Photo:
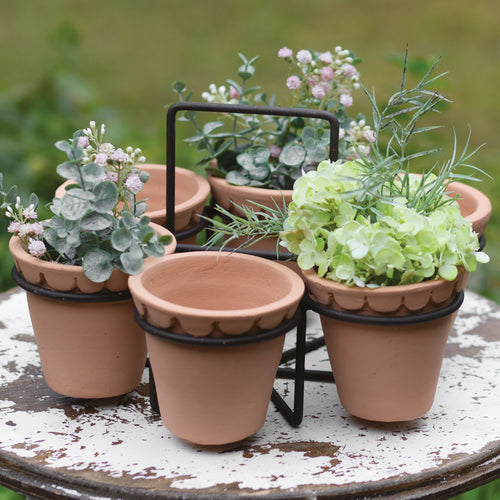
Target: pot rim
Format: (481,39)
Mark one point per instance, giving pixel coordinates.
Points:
(403,300)
(294,294)
(36,269)
(202,185)
(220,181)
(482,209)
(202,192)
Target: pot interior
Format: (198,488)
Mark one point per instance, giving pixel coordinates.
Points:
(155,189)
(217,282)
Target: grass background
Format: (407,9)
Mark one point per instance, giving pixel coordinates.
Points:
(63,63)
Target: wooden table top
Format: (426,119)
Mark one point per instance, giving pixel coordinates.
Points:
(53,446)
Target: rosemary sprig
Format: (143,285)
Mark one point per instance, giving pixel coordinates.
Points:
(254,225)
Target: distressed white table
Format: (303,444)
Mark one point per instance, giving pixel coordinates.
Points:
(56,447)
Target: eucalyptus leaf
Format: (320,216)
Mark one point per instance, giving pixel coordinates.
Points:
(211,126)
(68,170)
(106,196)
(259,173)
(179,86)
(76,203)
(121,239)
(132,259)
(97,265)
(293,155)
(92,174)
(95,221)
(237,178)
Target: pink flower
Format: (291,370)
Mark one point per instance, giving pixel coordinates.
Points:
(24,230)
(36,229)
(111,176)
(233,93)
(369,135)
(119,155)
(274,150)
(293,82)
(101,159)
(304,56)
(312,81)
(83,141)
(346,100)
(318,92)
(134,183)
(327,74)
(36,248)
(29,213)
(326,57)
(349,70)
(341,133)
(285,52)
(14,227)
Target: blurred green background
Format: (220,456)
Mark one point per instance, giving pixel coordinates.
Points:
(64,63)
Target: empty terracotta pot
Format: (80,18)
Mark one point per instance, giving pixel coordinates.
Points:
(89,345)
(215,394)
(191,193)
(386,372)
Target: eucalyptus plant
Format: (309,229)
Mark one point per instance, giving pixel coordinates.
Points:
(98,223)
(273,151)
(370,221)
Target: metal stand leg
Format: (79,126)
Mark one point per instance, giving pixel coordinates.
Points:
(294,417)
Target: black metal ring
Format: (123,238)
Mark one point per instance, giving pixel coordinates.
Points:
(191,231)
(69,296)
(386,320)
(237,340)
(482,242)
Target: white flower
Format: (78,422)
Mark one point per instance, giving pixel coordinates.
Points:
(101,159)
(106,148)
(36,248)
(304,56)
(119,155)
(134,183)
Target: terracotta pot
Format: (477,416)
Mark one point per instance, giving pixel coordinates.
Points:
(88,348)
(386,372)
(191,193)
(215,394)
(474,205)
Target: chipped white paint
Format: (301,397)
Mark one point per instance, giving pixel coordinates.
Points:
(330,447)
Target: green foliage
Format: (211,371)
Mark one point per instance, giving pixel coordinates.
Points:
(273,151)
(6,494)
(370,222)
(97,223)
(372,238)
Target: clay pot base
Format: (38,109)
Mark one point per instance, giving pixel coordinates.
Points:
(214,395)
(91,350)
(386,373)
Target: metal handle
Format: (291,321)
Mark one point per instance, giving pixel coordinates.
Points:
(241,109)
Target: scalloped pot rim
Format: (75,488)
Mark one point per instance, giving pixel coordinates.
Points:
(68,277)
(284,276)
(394,299)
